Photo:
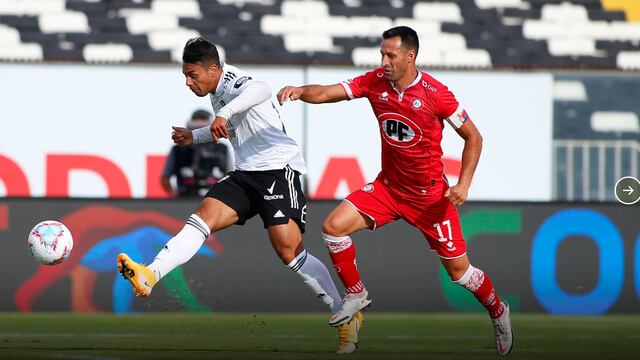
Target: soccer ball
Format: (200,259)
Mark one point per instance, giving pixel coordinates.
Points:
(50,242)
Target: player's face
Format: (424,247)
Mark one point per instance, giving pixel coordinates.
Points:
(201,78)
(396,58)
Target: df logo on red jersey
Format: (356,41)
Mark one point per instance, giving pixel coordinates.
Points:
(398,130)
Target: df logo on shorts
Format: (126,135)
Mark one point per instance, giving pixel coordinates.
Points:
(627,190)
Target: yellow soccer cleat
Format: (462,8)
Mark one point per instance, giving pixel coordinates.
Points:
(348,334)
(141,277)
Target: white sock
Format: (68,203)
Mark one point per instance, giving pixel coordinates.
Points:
(317,278)
(182,247)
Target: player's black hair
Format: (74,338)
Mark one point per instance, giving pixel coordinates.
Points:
(198,50)
(408,36)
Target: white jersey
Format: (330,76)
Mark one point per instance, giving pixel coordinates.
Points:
(257,134)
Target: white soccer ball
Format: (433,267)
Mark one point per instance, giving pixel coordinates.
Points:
(50,242)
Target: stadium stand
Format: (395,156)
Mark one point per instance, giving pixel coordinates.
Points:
(455,34)
(596,134)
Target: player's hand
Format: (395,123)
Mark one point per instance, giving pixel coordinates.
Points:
(219,128)
(289,93)
(457,194)
(181,136)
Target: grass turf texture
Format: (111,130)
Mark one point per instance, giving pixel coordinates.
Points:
(307,336)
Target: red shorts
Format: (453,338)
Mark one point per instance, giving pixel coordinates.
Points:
(433,215)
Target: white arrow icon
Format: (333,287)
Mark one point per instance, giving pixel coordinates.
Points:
(628,191)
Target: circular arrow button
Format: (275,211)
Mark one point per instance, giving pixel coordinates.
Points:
(628,190)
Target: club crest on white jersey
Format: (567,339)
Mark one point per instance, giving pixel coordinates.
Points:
(398,130)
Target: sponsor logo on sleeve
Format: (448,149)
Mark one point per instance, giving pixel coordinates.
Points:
(241,81)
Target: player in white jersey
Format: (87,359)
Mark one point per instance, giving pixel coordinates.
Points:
(266,181)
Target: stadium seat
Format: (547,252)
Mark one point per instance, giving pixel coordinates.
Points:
(569,91)
(181,8)
(615,121)
(31,7)
(107,53)
(628,60)
(63,22)
(438,11)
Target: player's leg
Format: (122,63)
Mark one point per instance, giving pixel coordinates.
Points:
(282,206)
(368,208)
(211,216)
(478,283)
(343,221)
(286,240)
(440,223)
(225,204)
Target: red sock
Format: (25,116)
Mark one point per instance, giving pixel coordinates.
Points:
(476,281)
(343,255)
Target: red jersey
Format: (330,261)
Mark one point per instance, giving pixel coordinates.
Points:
(411,124)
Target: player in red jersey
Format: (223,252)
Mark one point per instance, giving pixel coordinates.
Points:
(411,108)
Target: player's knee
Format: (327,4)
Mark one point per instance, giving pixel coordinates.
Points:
(286,255)
(331,227)
(456,272)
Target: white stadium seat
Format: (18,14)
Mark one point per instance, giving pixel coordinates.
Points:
(242,2)
(107,53)
(143,22)
(31,7)
(628,60)
(564,13)
(488,4)
(21,52)
(624,31)
(64,22)
(443,42)
(369,26)
(305,8)
(473,58)
(575,47)
(308,42)
(366,56)
(439,11)
(181,8)
(9,36)
(616,121)
(567,90)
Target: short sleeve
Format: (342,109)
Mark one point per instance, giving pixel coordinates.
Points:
(446,102)
(449,109)
(358,86)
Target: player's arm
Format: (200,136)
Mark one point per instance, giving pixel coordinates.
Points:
(314,94)
(250,93)
(467,130)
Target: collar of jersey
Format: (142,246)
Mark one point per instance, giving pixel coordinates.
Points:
(415,81)
(220,87)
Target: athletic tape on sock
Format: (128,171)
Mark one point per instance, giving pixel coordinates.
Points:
(336,244)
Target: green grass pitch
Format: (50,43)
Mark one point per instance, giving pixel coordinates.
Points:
(385,336)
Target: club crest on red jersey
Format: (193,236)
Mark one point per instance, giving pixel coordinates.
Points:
(367,188)
(399,130)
